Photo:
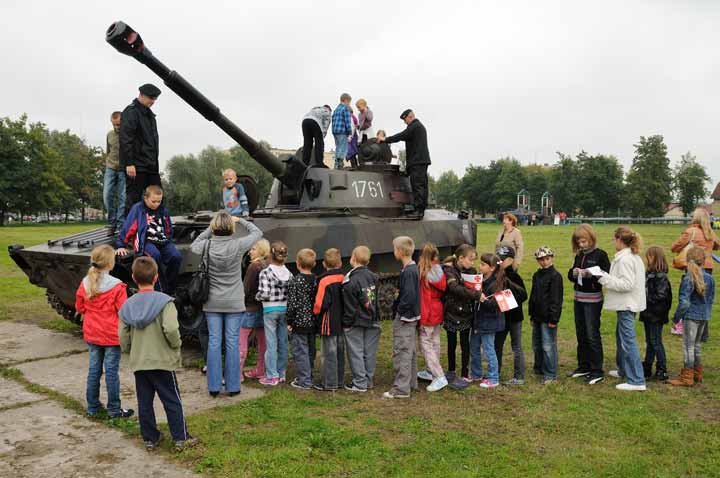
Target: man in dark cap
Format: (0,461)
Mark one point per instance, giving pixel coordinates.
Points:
(417,159)
(139,145)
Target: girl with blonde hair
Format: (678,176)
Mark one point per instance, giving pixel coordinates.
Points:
(99,298)
(252,318)
(697,293)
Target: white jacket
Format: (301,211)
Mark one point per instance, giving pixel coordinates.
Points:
(625,284)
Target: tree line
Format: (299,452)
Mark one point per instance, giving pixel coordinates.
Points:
(48,170)
(585,185)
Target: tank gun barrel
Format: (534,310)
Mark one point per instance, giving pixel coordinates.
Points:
(128,42)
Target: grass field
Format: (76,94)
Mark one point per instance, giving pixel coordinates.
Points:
(567,429)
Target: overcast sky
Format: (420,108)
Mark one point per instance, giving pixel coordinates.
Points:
(488,79)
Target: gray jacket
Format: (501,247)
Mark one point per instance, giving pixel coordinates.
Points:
(227,293)
(321,116)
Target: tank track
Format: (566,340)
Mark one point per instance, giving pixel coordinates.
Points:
(66,311)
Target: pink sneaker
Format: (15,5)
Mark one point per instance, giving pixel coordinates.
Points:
(281,380)
(485,383)
(255,374)
(270,382)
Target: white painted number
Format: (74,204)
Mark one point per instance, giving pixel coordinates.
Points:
(374,188)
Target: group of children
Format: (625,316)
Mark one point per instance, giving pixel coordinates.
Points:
(480,306)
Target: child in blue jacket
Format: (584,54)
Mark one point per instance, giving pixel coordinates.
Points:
(147,230)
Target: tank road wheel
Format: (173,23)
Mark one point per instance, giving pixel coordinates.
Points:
(386,296)
(61,308)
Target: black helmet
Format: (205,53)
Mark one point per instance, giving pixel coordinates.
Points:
(503,252)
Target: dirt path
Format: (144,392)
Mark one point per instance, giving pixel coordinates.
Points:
(40,438)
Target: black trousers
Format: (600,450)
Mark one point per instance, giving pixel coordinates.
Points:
(135,187)
(164,383)
(311,132)
(589,340)
(464,347)
(419,183)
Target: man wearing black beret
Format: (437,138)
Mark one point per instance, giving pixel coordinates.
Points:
(417,159)
(139,145)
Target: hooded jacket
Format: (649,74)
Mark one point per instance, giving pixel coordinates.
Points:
(432,290)
(328,307)
(658,293)
(459,300)
(139,140)
(100,314)
(360,302)
(150,332)
(134,230)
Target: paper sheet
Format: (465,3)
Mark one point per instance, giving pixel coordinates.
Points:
(473,281)
(596,271)
(505,300)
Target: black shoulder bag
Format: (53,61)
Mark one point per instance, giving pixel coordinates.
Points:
(199,288)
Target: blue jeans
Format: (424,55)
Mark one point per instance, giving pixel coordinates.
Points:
(168,260)
(486,343)
(341,147)
(114,196)
(276,336)
(654,346)
(628,353)
(231,323)
(544,344)
(109,357)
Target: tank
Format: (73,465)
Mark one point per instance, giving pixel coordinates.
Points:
(308,206)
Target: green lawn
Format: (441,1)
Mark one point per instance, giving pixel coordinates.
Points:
(567,429)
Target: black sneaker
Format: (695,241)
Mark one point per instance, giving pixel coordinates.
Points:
(123,413)
(593,379)
(152,445)
(320,388)
(298,385)
(661,376)
(353,388)
(577,373)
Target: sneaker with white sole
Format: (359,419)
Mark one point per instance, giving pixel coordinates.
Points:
(548,381)
(425,375)
(437,384)
(298,385)
(590,380)
(353,388)
(269,382)
(577,373)
(614,373)
(395,395)
(485,383)
(515,381)
(630,387)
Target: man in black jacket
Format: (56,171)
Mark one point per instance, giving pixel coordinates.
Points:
(139,145)
(417,159)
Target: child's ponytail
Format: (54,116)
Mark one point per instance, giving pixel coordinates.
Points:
(630,238)
(695,260)
(102,259)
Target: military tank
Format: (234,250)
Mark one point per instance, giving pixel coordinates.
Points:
(308,206)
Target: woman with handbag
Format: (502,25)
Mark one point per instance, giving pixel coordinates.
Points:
(224,250)
(699,233)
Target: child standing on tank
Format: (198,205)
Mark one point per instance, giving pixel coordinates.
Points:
(99,298)
(342,129)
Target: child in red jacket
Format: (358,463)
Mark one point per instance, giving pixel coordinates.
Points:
(432,289)
(99,299)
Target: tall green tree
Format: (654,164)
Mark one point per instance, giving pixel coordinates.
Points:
(472,190)
(649,182)
(563,183)
(510,180)
(537,182)
(81,168)
(690,183)
(599,184)
(447,191)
